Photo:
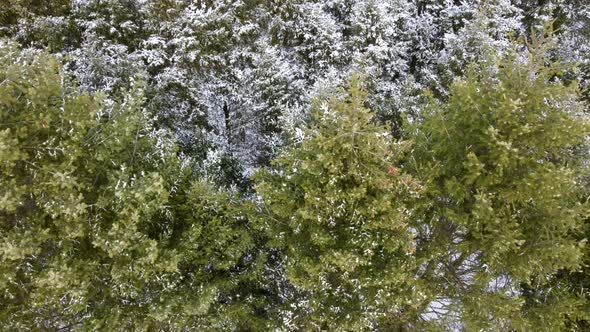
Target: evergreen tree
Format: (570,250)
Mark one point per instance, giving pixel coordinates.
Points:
(501,213)
(102,226)
(73,180)
(14,11)
(99,226)
(336,204)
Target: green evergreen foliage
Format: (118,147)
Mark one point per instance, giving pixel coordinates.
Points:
(99,227)
(129,131)
(501,214)
(77,183)
(336,205)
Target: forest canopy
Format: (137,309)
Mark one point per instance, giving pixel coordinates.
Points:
(329,165)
